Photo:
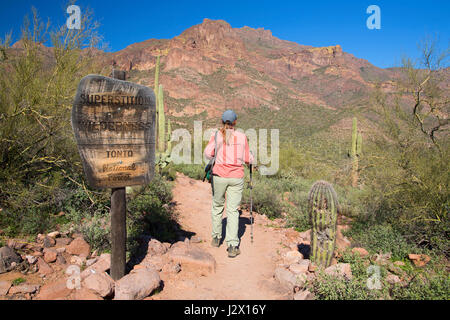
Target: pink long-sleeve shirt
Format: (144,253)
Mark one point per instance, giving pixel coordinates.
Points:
(230,157)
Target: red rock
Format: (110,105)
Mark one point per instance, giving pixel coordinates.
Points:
(361,251)
(84,294)
(54,291)
(79,247)
(100,283)
(63,241)
(156,248)
(43,267)
(24,288)
(137,285)
(103,264)
(192,258)
(419,260)
(4,287)
(50,256)
(49,242)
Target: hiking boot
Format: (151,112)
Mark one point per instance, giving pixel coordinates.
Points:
(233,251)
(215,242)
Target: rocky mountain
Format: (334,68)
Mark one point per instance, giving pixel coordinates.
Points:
(212,66)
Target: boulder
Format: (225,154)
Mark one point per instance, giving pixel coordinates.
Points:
(303,295)
(78,260)
(63,241)
(8,258)
(4,287)
(171,268)
(419,260)
(24,288)
(289,280)
(192,258)
(137,285)
(60,260)
(340,270)
(43,267)
(50,256)
(156,248)
(53,234)
(79,247)
(300,267)
(103,264)
(90,262)
(100,283)
(49,242)
(54,291)
(85,294)
(293,256)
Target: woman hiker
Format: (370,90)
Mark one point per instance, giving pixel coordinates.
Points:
(228,179)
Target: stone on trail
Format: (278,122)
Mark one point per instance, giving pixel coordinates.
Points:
(340,270)
(289,280)
(78,260)
(137,285)
(63,241)
(54,291)
(100,283)
(4,287)
(300,267)
(103,264)
(43,267)
(49,242)
(50,256)
(84,294)
(156,248)
(54,234)
(192,258)
(292,257)
(8,257)
(79,247)
(24,288)
(303,295)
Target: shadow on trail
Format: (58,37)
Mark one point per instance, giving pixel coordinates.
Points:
(241,230)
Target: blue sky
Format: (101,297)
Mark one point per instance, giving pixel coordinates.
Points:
(317,23)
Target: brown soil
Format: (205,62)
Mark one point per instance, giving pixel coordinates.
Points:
(248,276)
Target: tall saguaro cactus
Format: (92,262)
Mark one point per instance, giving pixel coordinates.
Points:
(161,121)
(355,152)
(323,205)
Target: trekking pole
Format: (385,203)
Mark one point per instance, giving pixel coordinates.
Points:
(251,205)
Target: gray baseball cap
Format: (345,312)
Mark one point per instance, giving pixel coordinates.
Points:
(229,115)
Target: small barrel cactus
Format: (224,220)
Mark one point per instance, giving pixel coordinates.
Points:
(323,207)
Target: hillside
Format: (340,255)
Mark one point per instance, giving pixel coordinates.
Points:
(272,83)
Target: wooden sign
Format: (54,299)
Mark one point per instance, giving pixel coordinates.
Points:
(114,125)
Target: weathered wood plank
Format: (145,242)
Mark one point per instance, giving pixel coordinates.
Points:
(114,125)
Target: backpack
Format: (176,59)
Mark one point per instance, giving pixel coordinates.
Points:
(210,165)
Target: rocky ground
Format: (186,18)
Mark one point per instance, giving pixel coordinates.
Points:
(275,266)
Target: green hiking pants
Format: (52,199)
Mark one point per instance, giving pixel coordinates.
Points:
(231,188)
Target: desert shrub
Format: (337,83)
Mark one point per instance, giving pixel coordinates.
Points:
(194,171)
(423,287)
(381,238)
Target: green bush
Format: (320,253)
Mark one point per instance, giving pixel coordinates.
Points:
(383,238)
(194,171)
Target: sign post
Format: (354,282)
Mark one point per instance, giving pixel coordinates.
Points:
(114,125)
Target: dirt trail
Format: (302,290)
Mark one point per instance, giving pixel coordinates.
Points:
(248,276)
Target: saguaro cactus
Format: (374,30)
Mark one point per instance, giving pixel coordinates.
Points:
(323,205)
(161,121)
(355,152)
(169,137)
